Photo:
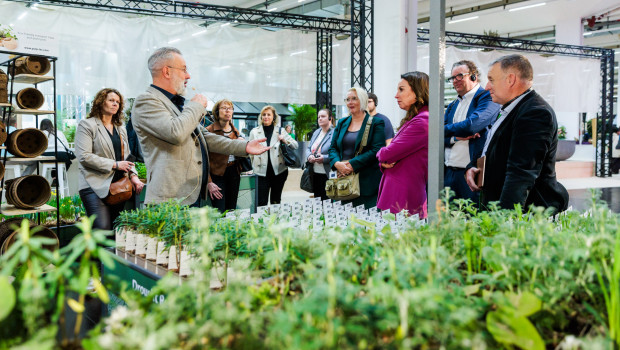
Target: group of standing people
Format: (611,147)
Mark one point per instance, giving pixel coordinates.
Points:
(507,126)
(508,123)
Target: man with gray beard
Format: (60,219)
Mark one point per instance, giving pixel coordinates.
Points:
(174,144)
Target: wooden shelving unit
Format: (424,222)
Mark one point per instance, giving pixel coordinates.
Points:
(32,111)
(9,210)
(6,109)
(31,78)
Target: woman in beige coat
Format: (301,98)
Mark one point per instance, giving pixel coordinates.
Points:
(269,166)
(98,142)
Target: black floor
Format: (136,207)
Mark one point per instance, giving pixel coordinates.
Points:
(581,199)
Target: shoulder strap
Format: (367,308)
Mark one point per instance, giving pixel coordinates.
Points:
(365,137)
(122,145)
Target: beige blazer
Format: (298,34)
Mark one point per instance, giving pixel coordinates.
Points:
(259,162)
(171,150)
(95,154)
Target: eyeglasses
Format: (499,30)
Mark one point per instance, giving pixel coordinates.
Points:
(457,77)
(350,99)
(222,108)
(183,69)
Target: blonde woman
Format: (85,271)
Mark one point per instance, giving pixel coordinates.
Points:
(269,166)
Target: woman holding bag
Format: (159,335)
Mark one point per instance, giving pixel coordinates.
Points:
(348,155)
(224,169)
(269,166)
(102,149)
(318,152)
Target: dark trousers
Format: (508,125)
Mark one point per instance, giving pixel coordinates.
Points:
(615,165)
(455,179)
(106,214)
(229,184)
(271,183)
(318,185)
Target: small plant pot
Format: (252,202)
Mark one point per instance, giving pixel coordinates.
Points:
(130,241)
(162,254)
(30,98)
(151,249)
(141,243)
(173,259)
(187,260)
(120,237)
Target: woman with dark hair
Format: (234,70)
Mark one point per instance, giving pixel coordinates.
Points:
(47,126)
(345,154)
(269,166)
(224,169)
(318,152)
(404,162)
(102,149)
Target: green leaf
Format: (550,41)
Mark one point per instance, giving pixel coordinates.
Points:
(525,304)
(75,306)
(509,329)
(7,297)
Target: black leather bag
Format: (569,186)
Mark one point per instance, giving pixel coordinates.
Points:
(245,164)
(306,179)
(291,159)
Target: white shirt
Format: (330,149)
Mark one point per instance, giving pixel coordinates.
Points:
(458,155)
(503,113)
(51,141)
(318,168)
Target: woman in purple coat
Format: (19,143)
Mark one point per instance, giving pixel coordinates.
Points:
(404,162)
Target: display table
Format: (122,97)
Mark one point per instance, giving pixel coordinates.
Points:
(139,274)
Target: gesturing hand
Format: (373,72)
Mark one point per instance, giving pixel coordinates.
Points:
(388,165)
(474,136)
(254,147)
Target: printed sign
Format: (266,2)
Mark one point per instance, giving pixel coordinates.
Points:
(23,40)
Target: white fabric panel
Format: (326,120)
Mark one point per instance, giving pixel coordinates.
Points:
(341,70)
(568,84)
(103,49)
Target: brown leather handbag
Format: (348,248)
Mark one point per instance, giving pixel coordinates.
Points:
(121,190)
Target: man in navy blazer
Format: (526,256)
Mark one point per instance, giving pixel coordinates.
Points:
(521,146)
(466,121)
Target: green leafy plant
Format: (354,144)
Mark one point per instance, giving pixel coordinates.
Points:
(304,118)
(562,133)
(69,132)
(141,169)
(44,283)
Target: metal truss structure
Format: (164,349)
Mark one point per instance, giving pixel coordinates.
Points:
(606,56)
(360,28)
(324,70)
(362,48)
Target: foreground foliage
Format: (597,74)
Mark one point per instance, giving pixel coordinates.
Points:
(488,280)
(473,280)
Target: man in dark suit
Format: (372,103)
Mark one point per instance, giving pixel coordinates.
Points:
(521,145)
(466,121)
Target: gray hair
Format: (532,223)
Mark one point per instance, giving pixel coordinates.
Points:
(517,62)
(362,95)
(160,57)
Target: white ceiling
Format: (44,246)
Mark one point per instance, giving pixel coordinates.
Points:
(525,22)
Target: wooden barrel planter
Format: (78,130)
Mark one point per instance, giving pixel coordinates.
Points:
(30,98)
(26,143)
(32,65)
(41,231)
(28,192)
(4,83)
(7,228)
(3,134)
